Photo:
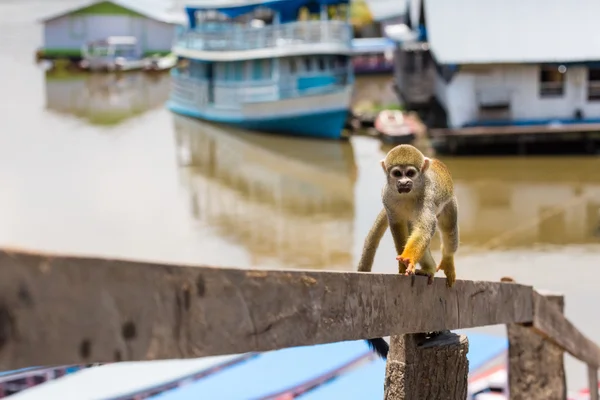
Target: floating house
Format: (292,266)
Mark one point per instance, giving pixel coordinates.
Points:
(509,64)
(283,66)
(151,24)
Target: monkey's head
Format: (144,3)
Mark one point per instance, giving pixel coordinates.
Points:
(404,167)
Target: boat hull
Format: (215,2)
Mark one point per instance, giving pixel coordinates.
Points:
(325,124)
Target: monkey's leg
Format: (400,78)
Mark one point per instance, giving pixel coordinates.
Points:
(372,242)
(400,235)
(448,225)
(428,266)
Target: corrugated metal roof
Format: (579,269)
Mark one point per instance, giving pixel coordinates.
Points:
(154,9)
(384,9)
(513,31)
(266,373)
(118,379)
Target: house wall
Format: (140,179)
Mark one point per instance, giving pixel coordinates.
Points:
(66,35)
(519,87)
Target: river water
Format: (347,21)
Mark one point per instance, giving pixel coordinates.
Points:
(97,166)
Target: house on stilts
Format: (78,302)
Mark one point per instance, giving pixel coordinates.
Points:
(511,65)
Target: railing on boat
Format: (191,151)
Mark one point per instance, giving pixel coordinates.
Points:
(60,310)
(232,94)
(237,38)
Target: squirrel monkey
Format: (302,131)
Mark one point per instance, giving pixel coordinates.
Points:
(418,197)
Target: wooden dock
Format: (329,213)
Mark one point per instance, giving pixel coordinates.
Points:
(60,310)
(451,140)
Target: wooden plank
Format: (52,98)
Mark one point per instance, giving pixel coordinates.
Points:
(70,310)
(536,368)
(550,323)
(516,130)
(427,368)
(593,382)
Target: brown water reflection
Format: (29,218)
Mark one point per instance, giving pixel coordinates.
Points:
(287,201)
(105,99)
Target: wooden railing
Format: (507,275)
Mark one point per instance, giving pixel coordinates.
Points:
(59,310)
(234,38)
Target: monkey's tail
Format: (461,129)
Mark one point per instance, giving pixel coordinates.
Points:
(379,346)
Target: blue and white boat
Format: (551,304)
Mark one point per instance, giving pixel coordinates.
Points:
(280,66)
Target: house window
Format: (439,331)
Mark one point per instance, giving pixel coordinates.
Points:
(593,84)
(552,81)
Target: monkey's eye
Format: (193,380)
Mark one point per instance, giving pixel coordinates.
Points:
(396,173)
(411,173)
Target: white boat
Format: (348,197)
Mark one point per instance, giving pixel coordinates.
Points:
(281,66)
(120,53)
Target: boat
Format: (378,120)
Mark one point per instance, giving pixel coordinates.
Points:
(120,53)
(394,127)
(373,55)
(282,66)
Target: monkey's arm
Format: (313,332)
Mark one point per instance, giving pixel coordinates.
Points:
(400,235)
(372,242)
(423,229)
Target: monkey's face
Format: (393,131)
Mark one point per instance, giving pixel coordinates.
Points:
(403,177)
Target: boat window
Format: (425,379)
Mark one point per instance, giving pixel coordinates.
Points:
(261,69)
(307,66)
(331,62)
(125,51)
(228,71)
(292,62)
(322,66)
(340,61)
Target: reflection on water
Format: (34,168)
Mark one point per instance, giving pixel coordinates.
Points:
(287,201)
(105,99)
(517,203)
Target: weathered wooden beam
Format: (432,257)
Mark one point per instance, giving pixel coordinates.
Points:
(427,368)
(70,310)
(536,368)
(549,322)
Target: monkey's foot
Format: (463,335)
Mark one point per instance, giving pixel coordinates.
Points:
(429,275)
(447,265)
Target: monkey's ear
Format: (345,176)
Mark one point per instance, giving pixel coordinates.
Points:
(382,162)
(425,164)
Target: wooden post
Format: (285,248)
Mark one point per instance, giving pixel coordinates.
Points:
(593,382)
(535,365)
(427,368)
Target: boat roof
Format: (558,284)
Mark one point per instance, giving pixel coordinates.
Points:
(372,45)
(244,6)
(152,9)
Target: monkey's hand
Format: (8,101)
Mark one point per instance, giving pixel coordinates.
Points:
(409,263)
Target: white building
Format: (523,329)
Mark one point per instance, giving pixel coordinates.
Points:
(150,22)
(512,62)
